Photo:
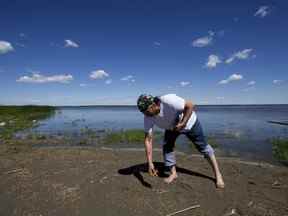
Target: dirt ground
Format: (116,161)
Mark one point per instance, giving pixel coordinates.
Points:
(88,182)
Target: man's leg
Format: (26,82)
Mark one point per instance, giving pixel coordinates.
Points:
(169,154)
(219,179)
(196,135)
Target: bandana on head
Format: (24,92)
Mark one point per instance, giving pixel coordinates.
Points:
(144,101)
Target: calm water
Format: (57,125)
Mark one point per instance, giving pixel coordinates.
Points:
(240,130)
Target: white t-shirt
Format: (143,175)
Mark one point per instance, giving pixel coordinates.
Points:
(171,112)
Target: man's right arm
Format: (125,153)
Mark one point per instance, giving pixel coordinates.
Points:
(149,149)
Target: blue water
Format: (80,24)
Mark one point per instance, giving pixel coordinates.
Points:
(240,130)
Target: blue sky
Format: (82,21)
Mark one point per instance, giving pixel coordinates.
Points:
(109,52)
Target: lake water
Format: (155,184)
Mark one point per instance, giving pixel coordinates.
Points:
(240,130)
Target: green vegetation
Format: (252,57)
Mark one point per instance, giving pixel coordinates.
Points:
(136,136)
(128,136)
(280,148)
(34,136)
(16,118)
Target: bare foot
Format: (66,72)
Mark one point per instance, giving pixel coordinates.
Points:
(219,182)
(171,178)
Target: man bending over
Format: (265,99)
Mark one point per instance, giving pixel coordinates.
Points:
(176,116)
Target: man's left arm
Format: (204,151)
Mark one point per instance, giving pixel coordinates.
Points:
(187,112)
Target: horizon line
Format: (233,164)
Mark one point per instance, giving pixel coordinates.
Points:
(135,105)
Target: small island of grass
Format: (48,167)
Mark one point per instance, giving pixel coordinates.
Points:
(16,118)
(280,148)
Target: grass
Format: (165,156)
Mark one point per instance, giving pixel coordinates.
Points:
(136,136)
(16,118)
(128,136)
(280,148)
(35,136)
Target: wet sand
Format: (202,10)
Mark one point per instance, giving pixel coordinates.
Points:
(115,182)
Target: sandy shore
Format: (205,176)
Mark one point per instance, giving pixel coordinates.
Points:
(113,182)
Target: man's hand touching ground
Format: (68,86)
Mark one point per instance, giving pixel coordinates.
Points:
(152,171)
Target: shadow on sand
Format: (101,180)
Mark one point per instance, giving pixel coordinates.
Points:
(136,171)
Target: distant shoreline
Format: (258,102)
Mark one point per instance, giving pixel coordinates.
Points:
(201,105)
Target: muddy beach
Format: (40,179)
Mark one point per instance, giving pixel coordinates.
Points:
(104,181)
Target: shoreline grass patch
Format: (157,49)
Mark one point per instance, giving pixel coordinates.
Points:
(280,148)
(17,118)
(128,136)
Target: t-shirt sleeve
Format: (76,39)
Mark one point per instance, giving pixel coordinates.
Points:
(148,125)
(178,103)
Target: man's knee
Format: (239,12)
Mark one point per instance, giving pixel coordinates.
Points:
(207,151)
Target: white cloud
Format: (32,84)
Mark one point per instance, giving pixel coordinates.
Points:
(262,11)
(204,102)
(223,82)
(213,60)
(130,79)
(277,82)
(108,82)
(244,54)
(251,83)
(35,101)
(184,83)
(98,74)
(250,88)
(83,85)
(220,98)
(5,47)
(203,41)
(156,43)
(38,78)
(127,78)
(70,43)
(233,77)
